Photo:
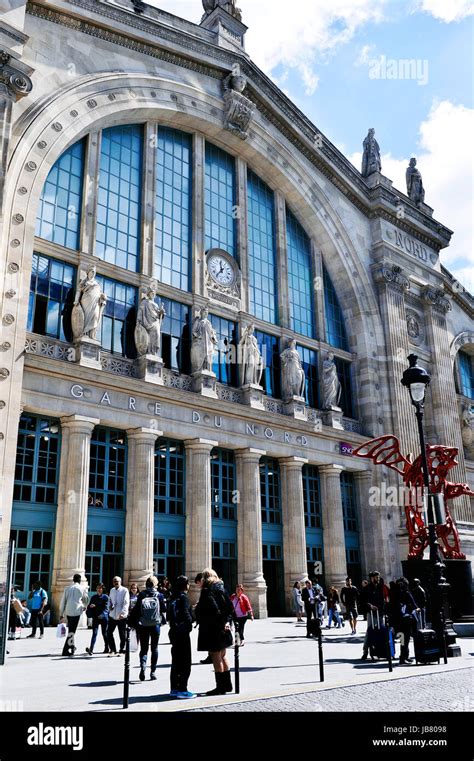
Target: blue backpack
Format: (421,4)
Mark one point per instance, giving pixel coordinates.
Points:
(150,610)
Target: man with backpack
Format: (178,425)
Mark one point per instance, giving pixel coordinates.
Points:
(180,618)
(146,619)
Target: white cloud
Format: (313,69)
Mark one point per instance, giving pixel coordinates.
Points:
(444,161)
(448,10)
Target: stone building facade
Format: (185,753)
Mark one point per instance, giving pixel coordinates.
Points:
(137,142)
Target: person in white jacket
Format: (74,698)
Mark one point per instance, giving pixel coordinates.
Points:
(73,604)
(119,603)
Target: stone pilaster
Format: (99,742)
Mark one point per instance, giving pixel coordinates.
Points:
(242,229)
(149,199)
(335,564)
(90,192)
(443,393)
(250,551)
(198,231)
(282,260)
(392,286)
(139,527)
(71,518)
(294,531)
(318,292)
(198,508)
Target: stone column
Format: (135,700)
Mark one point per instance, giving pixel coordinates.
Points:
(71,518)
(378,543)
(294,531)
(250,551)
(392,286)
(139,526)
(282,260)
(242,230)
(335,564)
(198,509)
(443,392)
(198,232)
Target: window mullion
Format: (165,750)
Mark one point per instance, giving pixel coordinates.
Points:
(198,215)
(90,193)
(148,232)
(319,305)
(282,260)
(242,229)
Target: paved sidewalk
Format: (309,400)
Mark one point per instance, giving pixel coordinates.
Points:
(276,662)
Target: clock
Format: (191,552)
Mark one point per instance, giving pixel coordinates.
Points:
(221,269)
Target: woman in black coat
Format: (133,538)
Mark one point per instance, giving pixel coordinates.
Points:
(214,614)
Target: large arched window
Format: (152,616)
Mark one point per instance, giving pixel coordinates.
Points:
(300,277)
(261,246)
(220,200)
(60,206)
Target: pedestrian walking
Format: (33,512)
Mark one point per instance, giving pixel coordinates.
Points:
(97,611)
(308,597)
(180,618)
(334,608)
(298,605)
(72,606)
(349,598)
(376,604)
(38,600)
(242,611)
(146,619)
(406,623)
(419,595)
(133,592)
(119,602)
(214,614)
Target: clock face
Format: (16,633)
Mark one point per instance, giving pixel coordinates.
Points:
(220,270)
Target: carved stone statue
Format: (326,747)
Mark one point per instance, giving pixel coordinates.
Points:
(331,384)
(227,5)
(250,358)
(371,161)
(89,305)
(415,189)
(293,377)
(239,108)
(204,343)
(467,431)
(150,317)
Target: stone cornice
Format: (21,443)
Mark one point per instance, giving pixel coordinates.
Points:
(194,49)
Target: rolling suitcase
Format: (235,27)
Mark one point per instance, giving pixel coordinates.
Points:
(380,638)
(427,649)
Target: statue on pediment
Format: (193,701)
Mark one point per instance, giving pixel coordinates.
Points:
(89,305)
(332,389)
(204,343)
(227,5)
(415,189)
(371,161)
(293,376)
(150,317)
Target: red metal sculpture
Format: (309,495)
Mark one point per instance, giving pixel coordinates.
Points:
(385,450)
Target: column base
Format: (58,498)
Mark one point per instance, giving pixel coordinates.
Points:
(333,418)
(295,407)
(150,369)
(205,383)
(252,396)
(87,353)
(139,577)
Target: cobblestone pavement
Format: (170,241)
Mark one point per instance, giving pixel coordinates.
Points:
(433,692)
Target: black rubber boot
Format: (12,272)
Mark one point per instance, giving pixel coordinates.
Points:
(219,689)
(227,682)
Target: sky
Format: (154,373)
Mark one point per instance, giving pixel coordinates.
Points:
(344,64)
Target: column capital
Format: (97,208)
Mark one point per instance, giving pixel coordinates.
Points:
(15,81)
(144,434)
(331,470)
(436,299)
(293,463)
(391,275)
(79,423)
(250,454)
(200,445)
(360,475)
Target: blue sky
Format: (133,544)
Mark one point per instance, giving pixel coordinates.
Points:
(324,54)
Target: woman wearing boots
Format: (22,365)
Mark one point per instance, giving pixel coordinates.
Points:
(214,614)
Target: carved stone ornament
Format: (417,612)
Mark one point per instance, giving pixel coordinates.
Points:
(413,326)
(5,346)
(394,276)
(437,299)
(239,109)
(16,82)
(2,405)
(227,5)
(74,113)
(467,429)
(22,191)
(10,294)
(13,267)
(42,144)
(15,243)
(18,218)
(8,319)
(92,103)
(4,373)
(30,166)
(57,126)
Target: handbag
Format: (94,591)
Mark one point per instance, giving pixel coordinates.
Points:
(338,608)
(133,641)
(227,639)
(61,631)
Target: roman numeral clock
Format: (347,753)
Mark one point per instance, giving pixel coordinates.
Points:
(223,278)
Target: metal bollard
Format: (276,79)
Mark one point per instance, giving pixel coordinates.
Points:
(126,670)
(389,649)
(320,654)
(237,644)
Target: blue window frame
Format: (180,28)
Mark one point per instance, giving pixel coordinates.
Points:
(176,335)
(349,502)
(270,349)
(108,469)
(220,200)
(173,221)
(262,252)
(272,551)
(37,460)
(170,494)
(168,557)
(336,331)
(104,559)
(33,558)
(224,551)
(344,371)
(270,490)
(312,497)
(300,277)
(223,480)
(309,360)
(60,205)
(225,358)
(116,333)
(51,297)
(466,374)
(119,198)
(314,553)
